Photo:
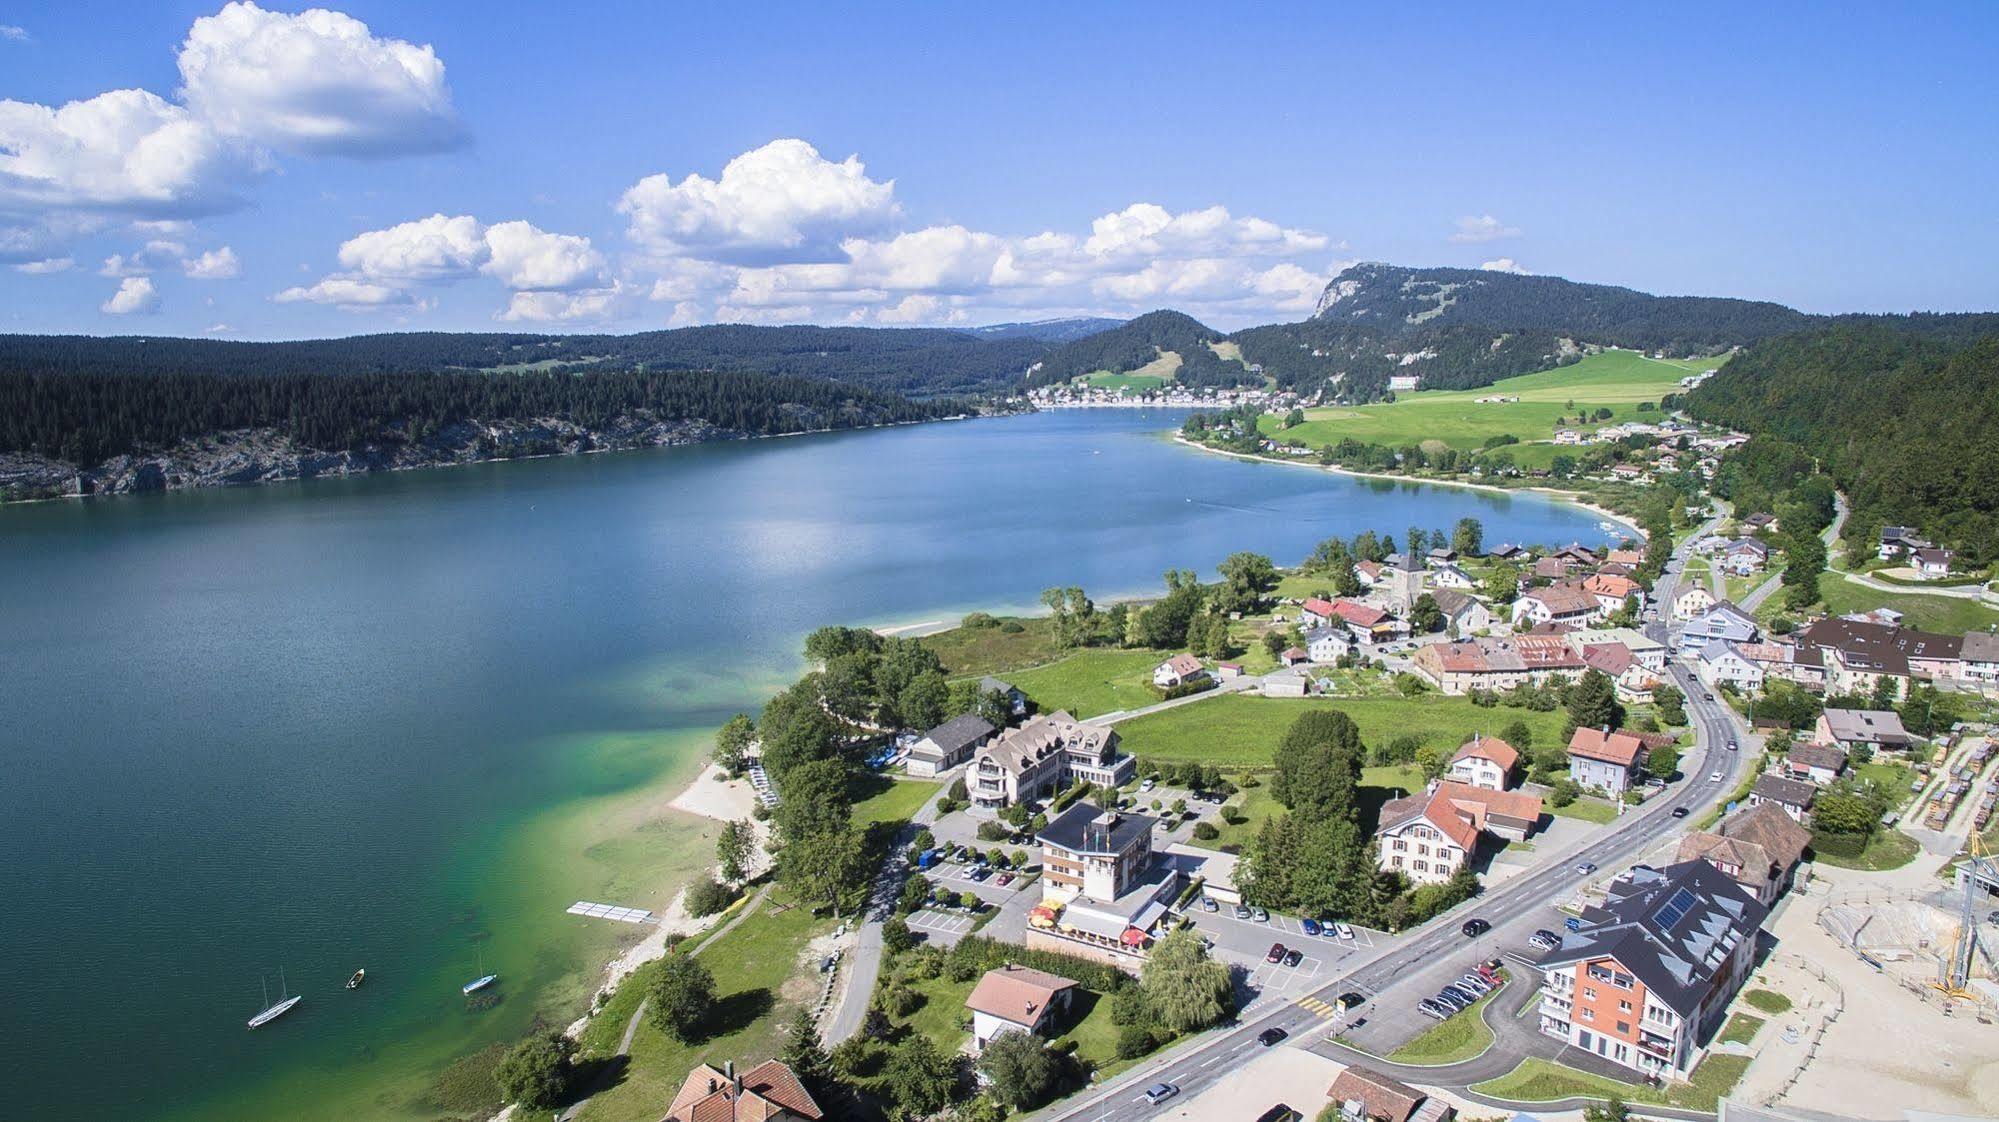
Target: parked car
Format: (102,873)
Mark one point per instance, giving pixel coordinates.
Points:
(1242,911)
(1276,953)
(1573,923)
(1148,785)
(1343,931)
(1004,879)
(1473,928)
(1160,1092)
(1310,925)
(1271,1036)
(1262,916)
(1451,1000)
(1208,904)
(1294,957)
(1432,1007)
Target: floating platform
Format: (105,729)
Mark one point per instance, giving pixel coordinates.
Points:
(610,911)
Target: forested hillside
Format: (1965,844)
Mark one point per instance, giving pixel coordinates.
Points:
(1131,345)
(1904,417)
(916,361)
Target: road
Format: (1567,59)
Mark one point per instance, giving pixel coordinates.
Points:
(1395,978)
(866,960)
(1763,591)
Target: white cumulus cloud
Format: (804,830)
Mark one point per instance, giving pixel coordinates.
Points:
(444,249)
(437,248)
(781,202)
(1481,228)
(318,82)
(135,296)
(46,265)
(523,257)
(126,152)
(1503,265)
(214,264)
(593,305)
(17,34)
(348,293)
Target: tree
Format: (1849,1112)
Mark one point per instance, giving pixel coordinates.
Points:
(1417,541)
(1468,537)
(734,847)
(1843,812)
(804,1053)
(896,935)
(1518,735)
(1663,761)
(1502,584)
(1612,1110)
(1275,642)
(1670,703)
(1246,577)
(1592,702)
(918,1078)
(536,1073)
(1804,561)
(705,897)
(1425,616)
(1183,987)
(925,702)
(681,998)
(732,743)
(1019,1069)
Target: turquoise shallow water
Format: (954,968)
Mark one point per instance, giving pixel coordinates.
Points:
(364,722)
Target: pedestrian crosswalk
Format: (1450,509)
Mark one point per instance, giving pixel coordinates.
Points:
(1322,1009)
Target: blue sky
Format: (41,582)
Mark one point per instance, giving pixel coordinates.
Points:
(287,175)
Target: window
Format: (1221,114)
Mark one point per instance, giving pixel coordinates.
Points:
(1589,993)
(1589,1014)
(1623,1026)
(1624,1007)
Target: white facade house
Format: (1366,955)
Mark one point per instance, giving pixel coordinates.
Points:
(1486,762)
(1723,663)
(1016,999)
(1327,644)
(1178,671)
(1692,602)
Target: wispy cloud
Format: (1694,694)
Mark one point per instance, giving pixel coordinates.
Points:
(1480,228)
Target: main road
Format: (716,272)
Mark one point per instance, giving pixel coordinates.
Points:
(1401,975)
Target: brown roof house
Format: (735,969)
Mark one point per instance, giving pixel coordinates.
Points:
(1363,1094)
(1815,763)
(1759,847)
(1794,796)
(1015,999)
(1604,760)
(768,1092)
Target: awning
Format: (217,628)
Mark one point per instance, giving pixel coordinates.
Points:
(1133,937)
(1092,922)
(1149,915)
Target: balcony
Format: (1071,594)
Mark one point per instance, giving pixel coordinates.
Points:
(1652,1046)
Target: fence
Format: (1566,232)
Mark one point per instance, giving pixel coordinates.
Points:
(1819,1030)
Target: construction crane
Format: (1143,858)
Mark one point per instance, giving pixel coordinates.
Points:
(1980,878)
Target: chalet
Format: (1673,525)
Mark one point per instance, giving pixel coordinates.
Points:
(1296,656)
(1317,612)
(1228,671)
(1369,572)
(1627,471)
(1650,972)
(1102,893)
(1016,999)
(1363,1094)
(768,1092)
(1425,838)
(1043,756)
(1497,664)
(1897,540)
(1980,658)
(1693,601)
(1549,568)
(1557,603)
(1578,555)
(1442,555)
(1745,556)
(1759,847)
(1875,729)
(1761,520)
(1724,621)
(1647,651)
(1613,593)
(1568,436)
(1815,763)
(1633,681)
(1016,701)
(1792,796)
(1180,670)
(1930,564)
(1463,613)
(1630,558)
(1606,761)
(1507,551)
(1327,644)
(949,744)
(1485,761)
(1448,575)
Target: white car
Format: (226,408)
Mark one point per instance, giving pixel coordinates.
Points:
(1714,777)
(1343,931)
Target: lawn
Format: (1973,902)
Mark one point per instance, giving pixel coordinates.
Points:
(752,965)
(1538,1080)
(1258,806)
(1151,376)
(1949,614)
(1587,808)
(1616,380)
(1892,777)
(1092,682)
(895,801)
(1769,1001)
(1453,1039)
(944,1021)
(1886,849)
(1740,1029)
(968,651)
(1238,731)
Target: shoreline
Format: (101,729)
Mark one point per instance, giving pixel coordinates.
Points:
(1573,498)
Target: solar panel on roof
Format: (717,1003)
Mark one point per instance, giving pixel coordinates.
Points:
(1675,910)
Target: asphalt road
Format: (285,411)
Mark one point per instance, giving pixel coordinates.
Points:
(1411,968)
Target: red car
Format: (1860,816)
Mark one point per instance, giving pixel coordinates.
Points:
(1276,953)
(1004,879)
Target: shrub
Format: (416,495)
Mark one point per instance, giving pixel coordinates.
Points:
(706,897)
(1012,627)
(993,831)
(1134,1041)
(1205,831)
(1563,792)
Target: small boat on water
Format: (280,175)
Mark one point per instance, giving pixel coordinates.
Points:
(360,976)
(479,983)
(284,1005)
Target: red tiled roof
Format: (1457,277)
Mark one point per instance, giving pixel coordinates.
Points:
(1605,584)
(1491,748)
(1358,614)
(1016,993)
(1321,608)
(1620,748)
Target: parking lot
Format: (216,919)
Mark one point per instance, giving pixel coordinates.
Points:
(943,929)
(1246,943)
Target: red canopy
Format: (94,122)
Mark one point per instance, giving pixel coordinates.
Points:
(1133,937)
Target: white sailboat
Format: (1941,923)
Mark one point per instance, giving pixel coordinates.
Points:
(481,982)
(284,1005)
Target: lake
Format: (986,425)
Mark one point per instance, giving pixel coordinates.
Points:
(402,721)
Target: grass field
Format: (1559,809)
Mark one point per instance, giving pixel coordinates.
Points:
(1151,376)
(1949,614)
(758,979)
(969,651)
(1237,731)
(1453,1039)
(895,801)
(1886,849)
(1538,1080)
(1258,806)
(1740,1029)
(1586,808)
(1769,1001)
(1092,682)
(1616,380)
